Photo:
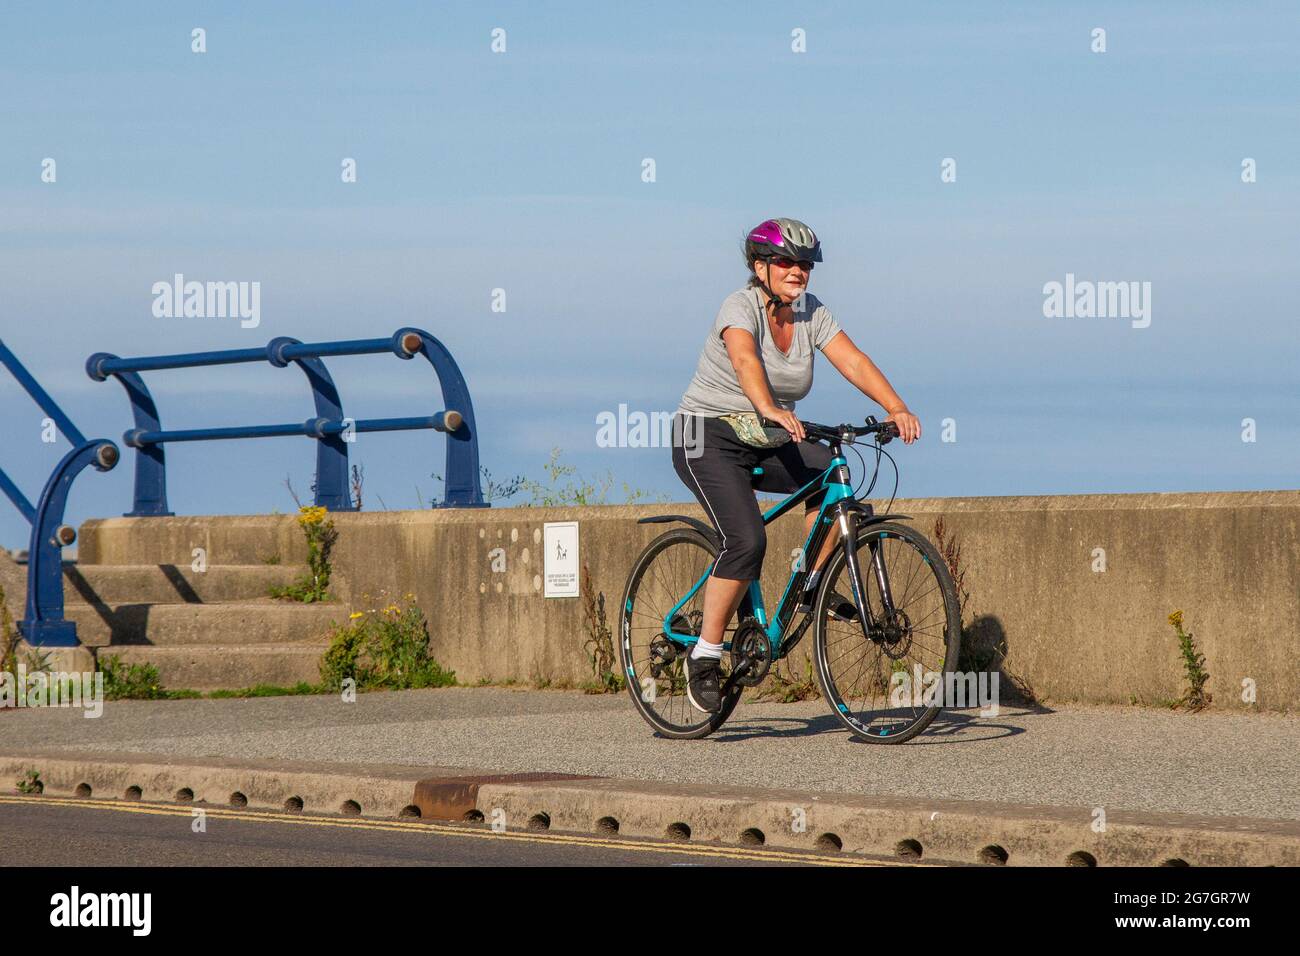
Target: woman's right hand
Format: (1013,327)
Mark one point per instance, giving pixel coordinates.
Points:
(787,420)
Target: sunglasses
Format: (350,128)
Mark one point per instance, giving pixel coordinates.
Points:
(784,263)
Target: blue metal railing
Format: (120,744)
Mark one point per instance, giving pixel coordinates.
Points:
(331,430)
(43,623)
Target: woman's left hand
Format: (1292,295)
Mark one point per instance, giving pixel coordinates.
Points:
(909,426)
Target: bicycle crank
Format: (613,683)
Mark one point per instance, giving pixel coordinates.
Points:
(751,656)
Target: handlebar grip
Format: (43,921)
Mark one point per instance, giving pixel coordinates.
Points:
(886,431)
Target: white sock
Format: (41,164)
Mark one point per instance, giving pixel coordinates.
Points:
(703,649)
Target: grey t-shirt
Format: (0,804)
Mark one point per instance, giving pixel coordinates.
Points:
(715,390)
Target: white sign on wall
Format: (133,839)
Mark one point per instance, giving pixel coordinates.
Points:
(560,564)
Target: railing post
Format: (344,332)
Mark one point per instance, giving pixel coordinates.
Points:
(43,624)
(150,460)
(462,470)
(331,450)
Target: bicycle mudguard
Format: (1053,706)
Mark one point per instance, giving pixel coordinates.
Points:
(876,519)
(695,523)
(867,517)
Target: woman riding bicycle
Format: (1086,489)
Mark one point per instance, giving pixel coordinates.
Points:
(757,361)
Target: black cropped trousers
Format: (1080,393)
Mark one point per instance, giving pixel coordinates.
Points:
(718,469)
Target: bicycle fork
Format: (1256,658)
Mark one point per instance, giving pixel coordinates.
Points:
(848,520)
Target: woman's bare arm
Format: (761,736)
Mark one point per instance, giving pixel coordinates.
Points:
(856,366)
(743,352)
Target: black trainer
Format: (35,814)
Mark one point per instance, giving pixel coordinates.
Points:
(703,689)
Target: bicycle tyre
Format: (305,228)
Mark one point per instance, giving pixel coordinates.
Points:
(951,631)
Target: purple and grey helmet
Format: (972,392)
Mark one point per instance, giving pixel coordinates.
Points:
(782,237)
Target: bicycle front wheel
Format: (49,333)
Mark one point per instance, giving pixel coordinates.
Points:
(882,688)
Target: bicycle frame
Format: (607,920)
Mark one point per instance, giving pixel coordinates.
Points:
(839,506)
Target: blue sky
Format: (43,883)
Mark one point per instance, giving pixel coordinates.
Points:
(522,171)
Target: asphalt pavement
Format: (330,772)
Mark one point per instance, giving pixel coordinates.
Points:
(1114,757)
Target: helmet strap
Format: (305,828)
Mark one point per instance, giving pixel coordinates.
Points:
(772,298)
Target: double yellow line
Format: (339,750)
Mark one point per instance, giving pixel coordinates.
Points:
(400,826)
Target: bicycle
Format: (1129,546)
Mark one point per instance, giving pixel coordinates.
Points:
(880,635)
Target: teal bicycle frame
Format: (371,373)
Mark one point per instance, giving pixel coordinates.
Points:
(836,481)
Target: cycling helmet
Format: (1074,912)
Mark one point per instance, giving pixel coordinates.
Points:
(782,237)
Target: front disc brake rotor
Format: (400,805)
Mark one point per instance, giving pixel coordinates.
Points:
(896,636)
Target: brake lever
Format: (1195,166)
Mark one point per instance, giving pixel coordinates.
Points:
(887,433)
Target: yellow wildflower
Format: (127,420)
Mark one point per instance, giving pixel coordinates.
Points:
(1176,619)
(309,515)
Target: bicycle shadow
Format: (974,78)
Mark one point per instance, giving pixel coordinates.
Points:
(948,728)
(956,726)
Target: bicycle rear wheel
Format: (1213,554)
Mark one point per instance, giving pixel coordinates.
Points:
(654,664)
(876,687)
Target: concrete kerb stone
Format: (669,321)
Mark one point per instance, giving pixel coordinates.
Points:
(934,830)
(456,798)
(951,831)
(381,791)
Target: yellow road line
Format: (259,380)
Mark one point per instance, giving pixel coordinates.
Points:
(638,844)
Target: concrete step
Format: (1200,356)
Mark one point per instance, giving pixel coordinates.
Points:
(177,625)
(229,539)
(173,584)
(225,666)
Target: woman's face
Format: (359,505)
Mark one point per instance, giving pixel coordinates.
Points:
(785,277)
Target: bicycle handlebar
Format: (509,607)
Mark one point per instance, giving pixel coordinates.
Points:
(887,431)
